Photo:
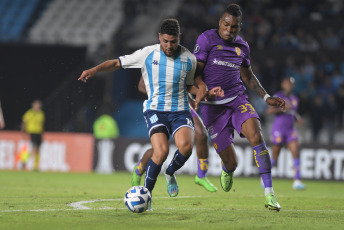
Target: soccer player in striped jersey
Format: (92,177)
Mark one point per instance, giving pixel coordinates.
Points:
(168,71)
(202,149)
(223,59)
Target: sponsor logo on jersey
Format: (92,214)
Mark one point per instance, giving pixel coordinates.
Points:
(219,47)
(155,62)
(225,63)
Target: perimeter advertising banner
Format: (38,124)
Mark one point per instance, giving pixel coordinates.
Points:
(317,161)
(59,152)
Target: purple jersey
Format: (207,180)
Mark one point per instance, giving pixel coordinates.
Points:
(223,61)
(286,120)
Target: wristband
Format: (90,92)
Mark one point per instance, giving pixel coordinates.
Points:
(266,97)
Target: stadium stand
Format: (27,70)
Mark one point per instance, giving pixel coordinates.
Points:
(15,15)
(78,22)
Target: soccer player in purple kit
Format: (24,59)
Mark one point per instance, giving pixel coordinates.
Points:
(222,58)
(283,131)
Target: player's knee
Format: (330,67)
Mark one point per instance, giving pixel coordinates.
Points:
(255,137)
(159,155)
(159,159)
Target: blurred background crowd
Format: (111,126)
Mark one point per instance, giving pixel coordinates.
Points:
(303,39)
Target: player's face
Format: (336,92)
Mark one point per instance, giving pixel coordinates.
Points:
(288,85)
(229,27)
(169,44)
(36,105)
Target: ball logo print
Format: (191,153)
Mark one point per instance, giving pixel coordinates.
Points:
(137,199)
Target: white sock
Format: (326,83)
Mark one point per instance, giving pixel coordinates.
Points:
(268,190)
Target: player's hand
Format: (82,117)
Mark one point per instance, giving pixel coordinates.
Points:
(86,74)
(2,124)
(276,101)
(202,93)
(216,92)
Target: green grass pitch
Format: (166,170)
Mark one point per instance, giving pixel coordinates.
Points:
(32,200)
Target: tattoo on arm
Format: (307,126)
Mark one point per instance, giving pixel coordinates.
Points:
(251,81)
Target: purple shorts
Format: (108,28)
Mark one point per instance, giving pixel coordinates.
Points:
(222,120)
(280,136)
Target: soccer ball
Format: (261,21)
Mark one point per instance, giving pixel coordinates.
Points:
(137,199)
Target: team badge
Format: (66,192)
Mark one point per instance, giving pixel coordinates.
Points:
(153,118)
(219,47)
(238,51)
(196,49)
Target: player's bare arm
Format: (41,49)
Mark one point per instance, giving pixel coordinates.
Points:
(2,120)
(202,92)
(141,87)
(107,66)
(252,82)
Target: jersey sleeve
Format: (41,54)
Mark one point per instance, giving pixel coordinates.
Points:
(201,49)
(191,74)
(134,60)
(26,116)
(246,61)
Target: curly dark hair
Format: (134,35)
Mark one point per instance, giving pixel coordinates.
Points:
(234,10)
(170,27)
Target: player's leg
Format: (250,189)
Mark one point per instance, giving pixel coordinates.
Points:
(251,129)
(157,124)
(217,120)
(276,149)
(36,140)
(140,168)
(182,128)
(202,149)
(229,164)
(184,138)
(293,147)
(160,146)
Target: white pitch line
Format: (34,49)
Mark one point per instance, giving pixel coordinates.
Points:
(80,204)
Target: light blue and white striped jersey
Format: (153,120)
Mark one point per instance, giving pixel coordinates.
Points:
(165,77)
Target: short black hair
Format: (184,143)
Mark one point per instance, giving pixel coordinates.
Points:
(234,10)
(170,27)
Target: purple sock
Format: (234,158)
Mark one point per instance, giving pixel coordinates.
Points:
(262,158)
(297,168)
(140,169)
(202,165)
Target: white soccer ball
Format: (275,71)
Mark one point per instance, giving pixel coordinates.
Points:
(137,199)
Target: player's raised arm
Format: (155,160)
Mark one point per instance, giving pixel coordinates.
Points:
(107,66)
(253,83)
